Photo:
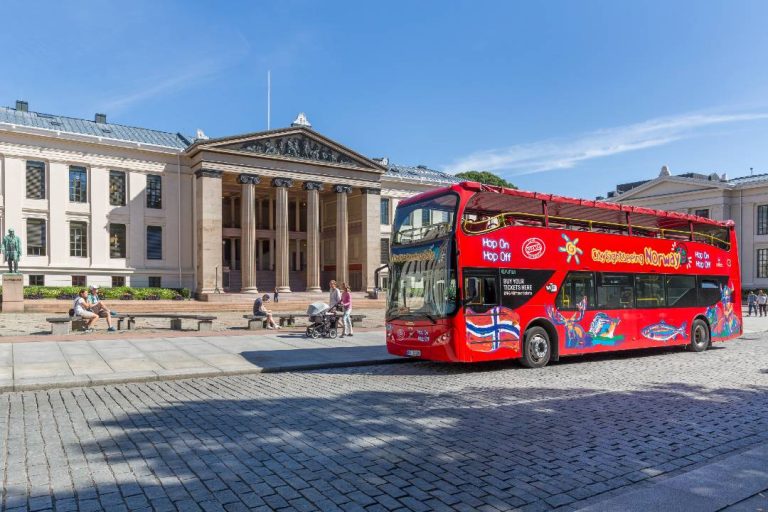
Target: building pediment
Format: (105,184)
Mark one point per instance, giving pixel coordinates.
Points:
(665,186)
(298,144)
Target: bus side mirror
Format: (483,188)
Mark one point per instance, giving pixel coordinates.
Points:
(471,290)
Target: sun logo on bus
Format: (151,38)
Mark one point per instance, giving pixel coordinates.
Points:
(571,249)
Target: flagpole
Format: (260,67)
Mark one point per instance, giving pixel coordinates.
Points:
(269,99)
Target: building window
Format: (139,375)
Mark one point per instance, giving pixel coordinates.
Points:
(118,281)
(385,250)
(762,219)
(154,243)
(36,237)
(155,282)
(762,263)
(117,241)
(117,188)
(78,185)
(385,211)
(79,281)
(35,180)
(154,191)
(36,280)
(702,213)
(78,239)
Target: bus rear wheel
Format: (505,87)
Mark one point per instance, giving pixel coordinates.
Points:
(699,336)
(537,348)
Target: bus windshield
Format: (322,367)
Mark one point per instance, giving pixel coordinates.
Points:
(423,281)
(425,220)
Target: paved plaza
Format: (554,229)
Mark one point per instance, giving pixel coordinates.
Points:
(109,359)
(584,433)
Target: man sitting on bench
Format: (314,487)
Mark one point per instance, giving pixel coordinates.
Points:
(98,307)
(260,311)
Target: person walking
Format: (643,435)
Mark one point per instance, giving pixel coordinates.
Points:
(751,303)
(260,311)
(762,301)
(346,303)
(335,298)
(276,296)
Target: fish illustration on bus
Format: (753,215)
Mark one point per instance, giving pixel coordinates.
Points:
(662,331)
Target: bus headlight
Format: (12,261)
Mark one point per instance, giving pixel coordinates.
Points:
(443,339)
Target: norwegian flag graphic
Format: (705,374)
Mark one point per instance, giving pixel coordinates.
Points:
(499,327)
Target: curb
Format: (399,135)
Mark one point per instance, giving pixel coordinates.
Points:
(85,381)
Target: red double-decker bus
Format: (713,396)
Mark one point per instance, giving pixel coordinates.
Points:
(480,273)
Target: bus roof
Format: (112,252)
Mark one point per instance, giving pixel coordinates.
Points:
(551,198)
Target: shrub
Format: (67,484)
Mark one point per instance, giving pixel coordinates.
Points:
(117,293)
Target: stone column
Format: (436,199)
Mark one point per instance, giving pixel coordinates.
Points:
(248,232)
(313,189)
(208,208)
(342,234)
(282,252)
(371,211)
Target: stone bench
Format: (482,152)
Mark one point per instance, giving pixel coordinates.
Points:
(204,322)
(66,324)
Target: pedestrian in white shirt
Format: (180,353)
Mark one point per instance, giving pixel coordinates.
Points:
(82,308)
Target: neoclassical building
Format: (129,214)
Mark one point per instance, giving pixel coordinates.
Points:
(743,200)
(287,209)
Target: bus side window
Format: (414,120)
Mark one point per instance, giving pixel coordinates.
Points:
(681,291)
(576,286)
(649,290)
(615,291)
(709,291)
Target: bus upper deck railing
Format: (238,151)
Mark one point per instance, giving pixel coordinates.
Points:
(507,219)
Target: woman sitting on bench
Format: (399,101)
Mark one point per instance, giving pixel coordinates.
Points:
(260,311)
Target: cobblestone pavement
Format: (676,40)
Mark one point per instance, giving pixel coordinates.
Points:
(413,436)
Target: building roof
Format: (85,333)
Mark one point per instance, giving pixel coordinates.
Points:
(748,180)
(420,173)
(85,127)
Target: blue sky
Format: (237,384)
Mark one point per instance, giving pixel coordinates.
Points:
(565,97)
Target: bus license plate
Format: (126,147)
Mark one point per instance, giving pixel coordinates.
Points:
(413,353)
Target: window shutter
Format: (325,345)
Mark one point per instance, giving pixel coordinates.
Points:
(35,180)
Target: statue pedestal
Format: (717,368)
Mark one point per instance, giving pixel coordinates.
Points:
(13,293)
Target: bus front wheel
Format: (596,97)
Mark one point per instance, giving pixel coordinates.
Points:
(537,348)
(699,336)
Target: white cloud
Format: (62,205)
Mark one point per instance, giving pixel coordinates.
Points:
(564,153)
(166,85)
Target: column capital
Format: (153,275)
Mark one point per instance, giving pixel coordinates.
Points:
(282,182)
(248,179)
(313,185)
(375,191)
(208,173)
(342,189)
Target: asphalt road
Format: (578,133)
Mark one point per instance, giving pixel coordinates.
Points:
(414,436)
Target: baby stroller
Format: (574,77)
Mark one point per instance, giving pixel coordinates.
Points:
(323,321)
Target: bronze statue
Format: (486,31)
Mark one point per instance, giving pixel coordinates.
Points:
(12,251)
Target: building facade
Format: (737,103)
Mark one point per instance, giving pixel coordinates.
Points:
(743,200)
(286,209)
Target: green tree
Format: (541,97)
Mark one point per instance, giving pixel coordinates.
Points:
(485,177)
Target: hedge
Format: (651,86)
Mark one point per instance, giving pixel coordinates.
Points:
(118,293)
